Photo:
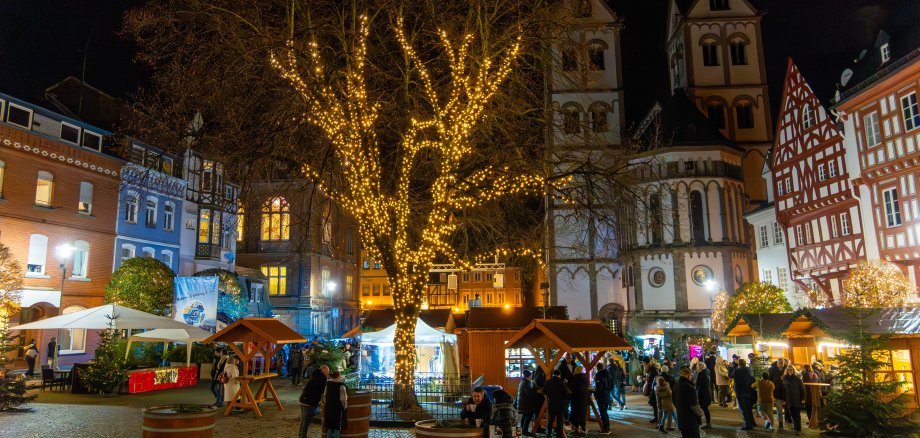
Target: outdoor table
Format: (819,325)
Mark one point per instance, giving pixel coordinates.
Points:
(65,375)
(266,392)
(814,395)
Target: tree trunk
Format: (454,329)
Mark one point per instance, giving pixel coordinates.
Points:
(407,299)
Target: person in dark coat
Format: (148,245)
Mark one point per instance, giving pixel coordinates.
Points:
(651,373)
(710,362)
(686,401)
(529,402)
(567,368)
(603,385)
(557,395)
(217,368)
(618,379)
(478,407)
(776,371)
(295,365)
(539,377)
(31,357)
(504,415)
(310,398)
(580,398)
(795,396)
(335,404)
(704,391)
(744,379)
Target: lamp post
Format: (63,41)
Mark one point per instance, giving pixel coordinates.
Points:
(63,252)
(328,290)
(711,287)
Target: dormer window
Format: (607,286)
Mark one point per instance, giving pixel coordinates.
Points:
(718,5)
(70,133)
(808,117)
(92,140)
(19,116)
(885,52)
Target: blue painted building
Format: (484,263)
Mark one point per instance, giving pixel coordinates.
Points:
(151,200)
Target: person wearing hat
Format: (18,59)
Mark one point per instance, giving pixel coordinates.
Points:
(529,401)
(689,413)
(557,393)
(580,398)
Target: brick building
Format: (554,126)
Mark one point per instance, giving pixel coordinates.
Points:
(58,203)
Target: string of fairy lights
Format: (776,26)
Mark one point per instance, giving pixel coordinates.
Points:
(348,116)
(875,285)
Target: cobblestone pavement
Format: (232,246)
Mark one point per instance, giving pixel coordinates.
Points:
(78,416)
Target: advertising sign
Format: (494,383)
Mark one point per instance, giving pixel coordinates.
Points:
(196,302)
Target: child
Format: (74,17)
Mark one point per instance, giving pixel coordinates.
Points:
(665,404)
(764,388)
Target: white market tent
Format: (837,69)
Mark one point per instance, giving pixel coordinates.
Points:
(186,335)
(99,318)
(424,335)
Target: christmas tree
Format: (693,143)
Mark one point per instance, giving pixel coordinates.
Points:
(109,368)
(12,387)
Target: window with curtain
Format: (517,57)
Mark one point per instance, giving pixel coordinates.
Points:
(710,54)
(44,189)
(38,252)
(151,212)
(85,206)
(169,216)
(277,279)
(72,341)
(127,251)
(276,220)
(240,224)
(80,259)
(204,225)
(131,202)
(738,49)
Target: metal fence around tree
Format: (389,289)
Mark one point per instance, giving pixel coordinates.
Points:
(440,396)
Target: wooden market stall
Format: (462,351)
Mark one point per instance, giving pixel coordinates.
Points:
(763,331)
(548,340)
(248,338)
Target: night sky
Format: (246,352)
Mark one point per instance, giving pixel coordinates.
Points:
(42,41)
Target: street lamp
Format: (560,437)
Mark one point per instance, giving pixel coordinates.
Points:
(711,287)
(63,252)
(328,290)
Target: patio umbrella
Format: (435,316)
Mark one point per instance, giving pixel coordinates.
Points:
(182,335)
(97,318)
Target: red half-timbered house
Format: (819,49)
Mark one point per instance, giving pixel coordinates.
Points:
(814,201)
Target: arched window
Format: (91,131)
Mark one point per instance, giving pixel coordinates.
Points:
(85,206)
(38,252)
(276,219)
(598,112)
(710,49)
(127,251)
(44,189)
(716,113)
(80,259)
(169,216)
(697,221)
(655,222)
(744,115)
(808,117)
(738,50)
(596,51)
(571,119)
(167,258)
(149,252)
(151,212)
(131,201)
(72,341)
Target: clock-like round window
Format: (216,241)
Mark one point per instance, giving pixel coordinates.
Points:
(739,278)
(656,277)
(701,274)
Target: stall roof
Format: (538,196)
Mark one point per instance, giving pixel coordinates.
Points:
(761,324)
(382,318)
(588,335)
(515,318)
(257,329)
(838,321)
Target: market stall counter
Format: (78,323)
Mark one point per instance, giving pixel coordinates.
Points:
(155,379)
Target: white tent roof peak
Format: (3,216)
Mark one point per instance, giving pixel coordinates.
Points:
(97,318)
(424,335)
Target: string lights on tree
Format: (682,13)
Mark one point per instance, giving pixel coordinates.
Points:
(875,285)
(407,232)
(754,297)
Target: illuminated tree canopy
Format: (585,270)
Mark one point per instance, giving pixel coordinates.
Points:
(875,285)
(10,281)
(753,297)
(142,283)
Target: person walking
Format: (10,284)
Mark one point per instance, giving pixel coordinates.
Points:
(704,392)
(603,386)
(31,356)
(689,413)
(580,398)
(231,385)
(744,380)
(651,374)
(504,416)
(710,362)
(52,349)
(776,372)
(618,381)
(335,403)
(765,400)
(795,396)
(557,394)
(665,404)
(529,401)
(722,381)
(295,365)
(217,368)
(310,398)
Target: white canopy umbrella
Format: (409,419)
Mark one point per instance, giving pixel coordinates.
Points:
(98,318)
(186,335)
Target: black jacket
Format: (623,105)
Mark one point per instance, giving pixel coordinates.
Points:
(217,366)
(579,386)
(744,378)
(334,415)
(483,412)
(565,370)
(795,391)
(528,401)
(776,376)
(313,391)
(505,417)
(704,388)
(617,374)
(603,384)
(687,404)
(296,360)
(539,377)
(556,394)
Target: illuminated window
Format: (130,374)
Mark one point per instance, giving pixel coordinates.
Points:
(38,252)
(897,368)
(517,360)
(911,111)
(276,220)
(209,226)
(240,221)
(80,259)
(44,189)
(277,279)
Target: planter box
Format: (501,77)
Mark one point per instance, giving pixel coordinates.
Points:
(426,429)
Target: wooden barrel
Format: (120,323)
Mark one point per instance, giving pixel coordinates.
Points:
(179,421)
(359,415)
(426,429)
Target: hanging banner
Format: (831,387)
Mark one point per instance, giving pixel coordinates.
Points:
(196,302)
